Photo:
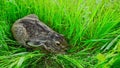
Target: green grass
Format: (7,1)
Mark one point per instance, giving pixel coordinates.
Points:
(91,28)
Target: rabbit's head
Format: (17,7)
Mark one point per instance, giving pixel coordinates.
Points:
(52,42)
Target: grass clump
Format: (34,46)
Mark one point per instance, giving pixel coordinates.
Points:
(90,27)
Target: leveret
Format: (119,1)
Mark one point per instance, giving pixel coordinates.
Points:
(32,33)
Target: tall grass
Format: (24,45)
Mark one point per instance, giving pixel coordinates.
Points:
(90,27)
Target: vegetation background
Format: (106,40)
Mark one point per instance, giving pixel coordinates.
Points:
(91,27)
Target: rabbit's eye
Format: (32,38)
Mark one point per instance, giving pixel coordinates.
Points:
(57,42)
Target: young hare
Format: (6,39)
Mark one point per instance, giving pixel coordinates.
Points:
(32,33)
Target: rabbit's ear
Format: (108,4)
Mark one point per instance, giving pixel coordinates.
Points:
(35,43)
